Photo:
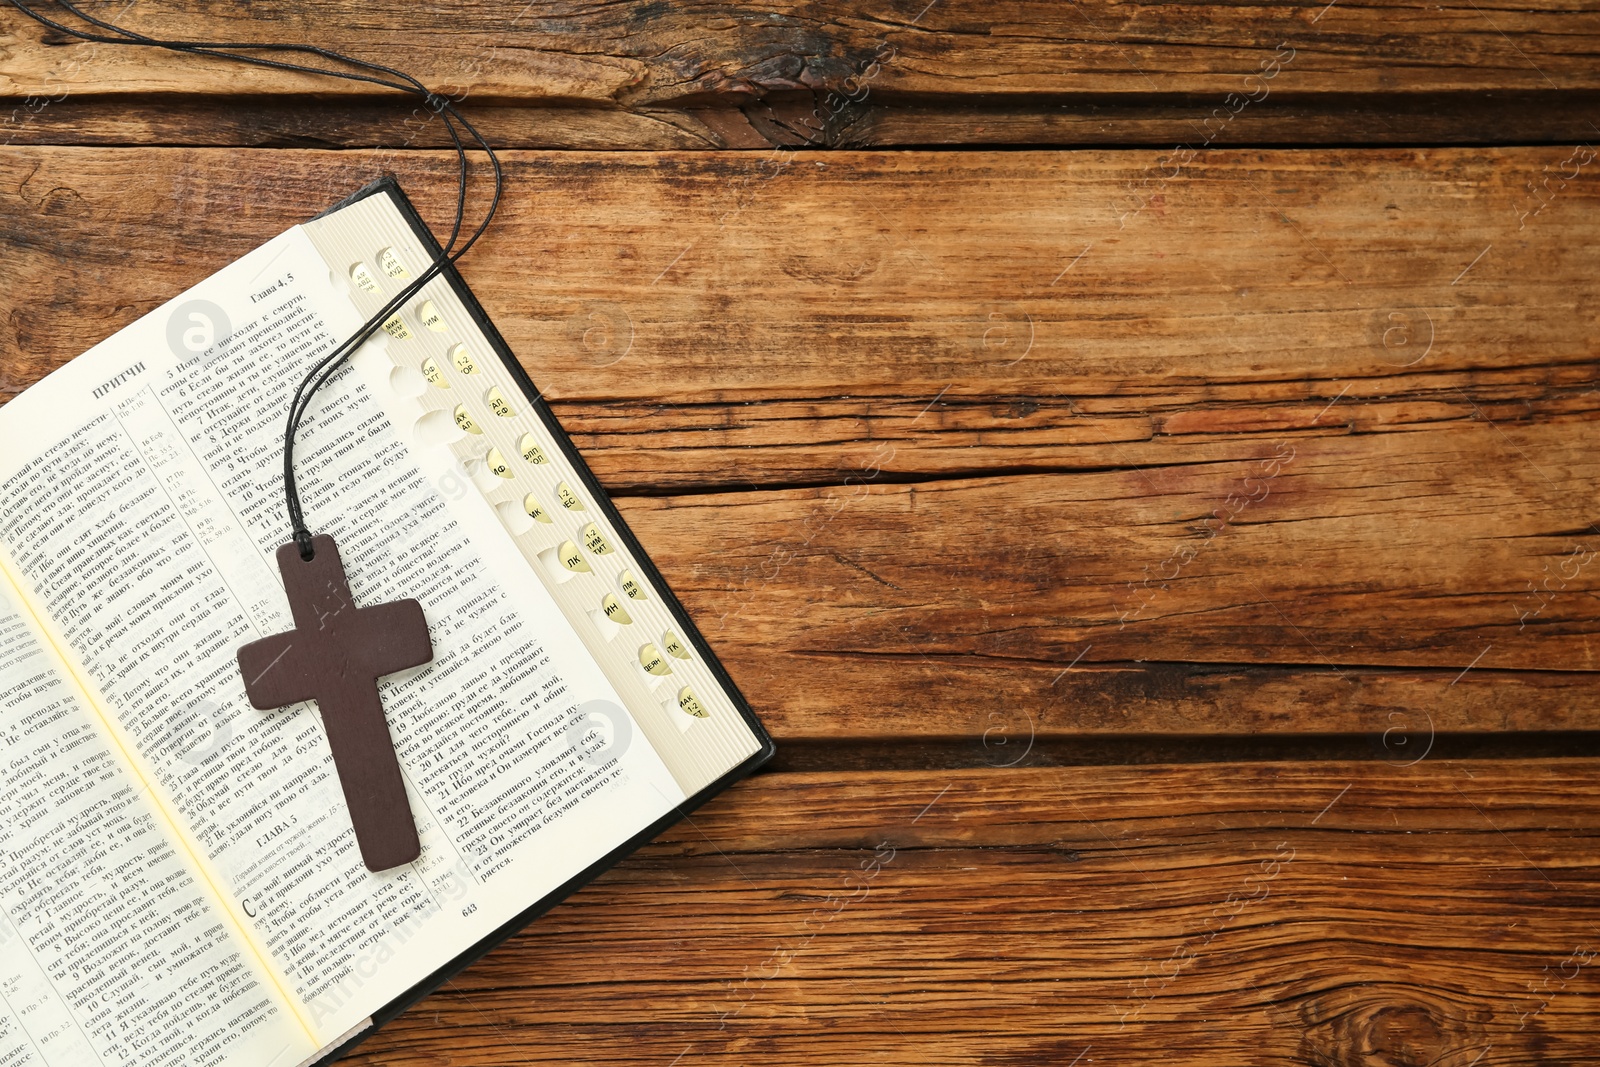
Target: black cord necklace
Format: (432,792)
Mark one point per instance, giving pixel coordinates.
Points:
(337,650)
(375,74)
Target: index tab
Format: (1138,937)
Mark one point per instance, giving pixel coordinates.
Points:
(563,561)
(651,660)
(535,510)
(435,376)
(498,403)
(614,609)
(464,419)
(428,315)
(531,451)
(363,279)
(571,558)
(463,360)
(595,541)
(390,264)
(691,705)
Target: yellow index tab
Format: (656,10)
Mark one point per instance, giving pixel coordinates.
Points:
(631,586)
(535,510)
(595,541)
(568,498)
(463,360)
(429,316)
(530,450)
(691,704)
(390,264)
(498,404)
(396,328)
(435,376)
(674,647)
(497,463)
(571,558)
(464,420)
(614,610)
(651,660)
(363,279)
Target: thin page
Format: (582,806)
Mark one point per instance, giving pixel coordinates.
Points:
(113,950)
(173,469)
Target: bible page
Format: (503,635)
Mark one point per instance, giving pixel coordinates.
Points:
(113,949)
(173,459)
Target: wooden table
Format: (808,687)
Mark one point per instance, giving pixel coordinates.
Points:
(1174,565)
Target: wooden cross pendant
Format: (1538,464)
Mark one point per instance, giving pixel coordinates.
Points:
(335,655)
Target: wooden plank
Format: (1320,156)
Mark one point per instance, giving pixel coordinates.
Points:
(1083,287)
(310,122)
(1441,550)
(739,76)
(1005,714)
(1328,913)
(1043,428)
(944,520)
(779,120)
(638,54)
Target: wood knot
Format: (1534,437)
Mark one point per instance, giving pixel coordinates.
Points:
(1368,1027)
(59,200)
(1406,1035)
(63,202)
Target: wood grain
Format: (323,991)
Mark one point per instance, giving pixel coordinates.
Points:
(955,71)
(1406,550)
(1288,416)
(1086,295)
(1270,913)
(1272,467)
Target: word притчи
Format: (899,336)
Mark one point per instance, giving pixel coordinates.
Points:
(1222,916)
(1542,594)
(1256,488)
(1540,195)
(833,904)
(1182,155)
(1577,959)
(131,372)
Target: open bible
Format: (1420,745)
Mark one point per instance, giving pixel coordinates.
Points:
(179,880)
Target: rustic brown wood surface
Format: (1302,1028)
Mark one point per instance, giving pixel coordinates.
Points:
(1168,571)
(662,76)
(1329,913)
